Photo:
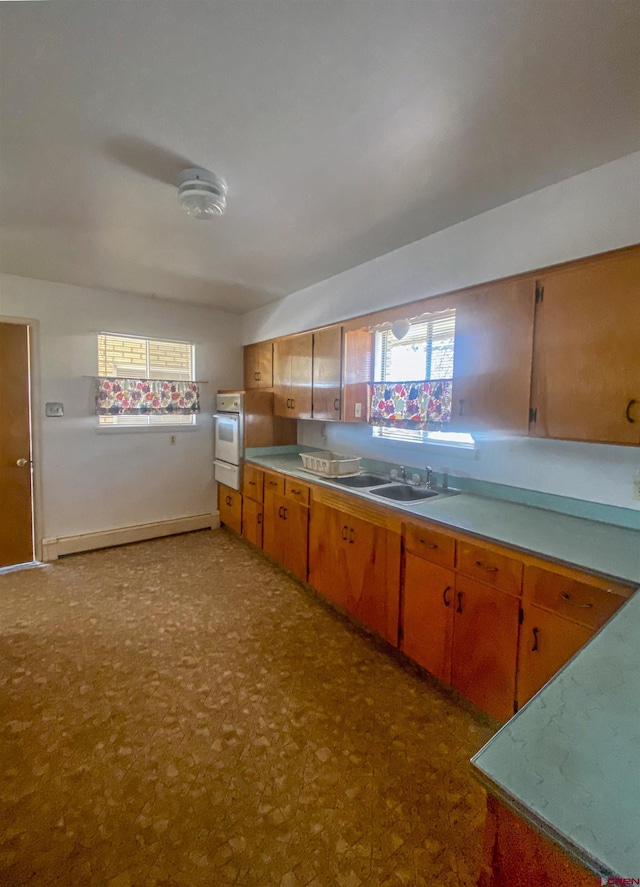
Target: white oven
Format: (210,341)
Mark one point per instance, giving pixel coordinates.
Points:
(227,424)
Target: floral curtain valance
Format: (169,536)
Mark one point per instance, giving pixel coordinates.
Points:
(145,397)
(411,404)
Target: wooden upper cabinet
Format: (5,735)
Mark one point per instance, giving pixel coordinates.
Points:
(357,372)
(327,373)
(586,367)
(258,365)
(492,357)
(292,376)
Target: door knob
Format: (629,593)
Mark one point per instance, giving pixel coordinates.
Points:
(22,462)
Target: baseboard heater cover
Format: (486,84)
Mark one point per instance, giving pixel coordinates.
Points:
(53,548)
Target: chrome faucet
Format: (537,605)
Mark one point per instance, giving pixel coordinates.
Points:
(402,473)
(429,479)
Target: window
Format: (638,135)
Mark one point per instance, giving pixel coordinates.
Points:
(425,353)
(134,357)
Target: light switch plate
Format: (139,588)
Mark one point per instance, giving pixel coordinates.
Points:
(358,411)
(54,409)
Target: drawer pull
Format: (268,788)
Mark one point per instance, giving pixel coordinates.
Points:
(567,597)
(459,607)
(428,544)
(296,492)
(486,568)
(535,640)
(444,596)
(273,483)
(252,483)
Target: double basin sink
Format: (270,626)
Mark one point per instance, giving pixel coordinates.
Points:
(385,489)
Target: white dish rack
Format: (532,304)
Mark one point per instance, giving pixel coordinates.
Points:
(328,464)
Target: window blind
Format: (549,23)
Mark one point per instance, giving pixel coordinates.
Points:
(426,352)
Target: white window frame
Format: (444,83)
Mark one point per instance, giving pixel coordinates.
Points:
(151,422)
(436,436)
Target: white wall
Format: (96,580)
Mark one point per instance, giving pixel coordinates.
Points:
(592,472)
(92,482)
(590,213)
(596,211)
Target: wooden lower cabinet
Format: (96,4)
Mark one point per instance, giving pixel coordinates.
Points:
(286,532)
(427,626)
(356,564)
(485,643)
(516,855)
(230,508)
(547,642)
(252,515)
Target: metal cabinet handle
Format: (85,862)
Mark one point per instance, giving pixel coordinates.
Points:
(447,603)
(428,544)
(280,511)
(22,462)
(288,403)
(259,375)
(352,536)
(229,501)
(345,531)
(631,403)
(485,568)
(459,607)
(293,403)
(252,483)
(295,492)
(336,404)
(567,597)
(259,519)
(255,377)
(535,640)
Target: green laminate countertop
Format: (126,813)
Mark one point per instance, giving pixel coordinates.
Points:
(597,547)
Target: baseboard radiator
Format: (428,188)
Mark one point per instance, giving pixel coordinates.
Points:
(53,548)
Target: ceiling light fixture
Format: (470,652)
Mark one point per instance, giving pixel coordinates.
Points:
(201,194)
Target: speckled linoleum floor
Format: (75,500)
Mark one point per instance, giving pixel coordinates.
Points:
(182,712)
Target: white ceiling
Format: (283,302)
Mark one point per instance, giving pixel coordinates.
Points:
(344,128)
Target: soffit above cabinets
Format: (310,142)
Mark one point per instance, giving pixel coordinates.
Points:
(343,130)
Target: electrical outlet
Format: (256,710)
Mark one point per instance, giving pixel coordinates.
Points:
(173,440)
(358,411)
(54,409)
(635,488)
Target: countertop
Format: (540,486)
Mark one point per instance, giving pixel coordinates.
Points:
(569,761)
(597,547)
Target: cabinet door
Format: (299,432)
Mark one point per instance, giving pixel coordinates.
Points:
(547,642)
(586,372)
(258,365)
(327,373)
(252,522)
(492,357)
(230,508)
(296,532)
(485,642)
(327,526)
(427,615)
(273,532)
(301,375)
(357,373)
(282,378)
(285,533)
(369,564)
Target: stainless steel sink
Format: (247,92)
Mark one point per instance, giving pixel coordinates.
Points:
(404,493)
(361,480)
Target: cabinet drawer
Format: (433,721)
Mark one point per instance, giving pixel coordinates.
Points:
(253,483)
(490,567)
(430,544)
(297,491)
(589,603)
(274,483)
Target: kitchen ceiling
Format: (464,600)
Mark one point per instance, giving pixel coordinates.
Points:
(344,129)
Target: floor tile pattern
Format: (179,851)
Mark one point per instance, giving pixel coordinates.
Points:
(182,712)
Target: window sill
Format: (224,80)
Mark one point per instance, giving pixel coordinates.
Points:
(147,429)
